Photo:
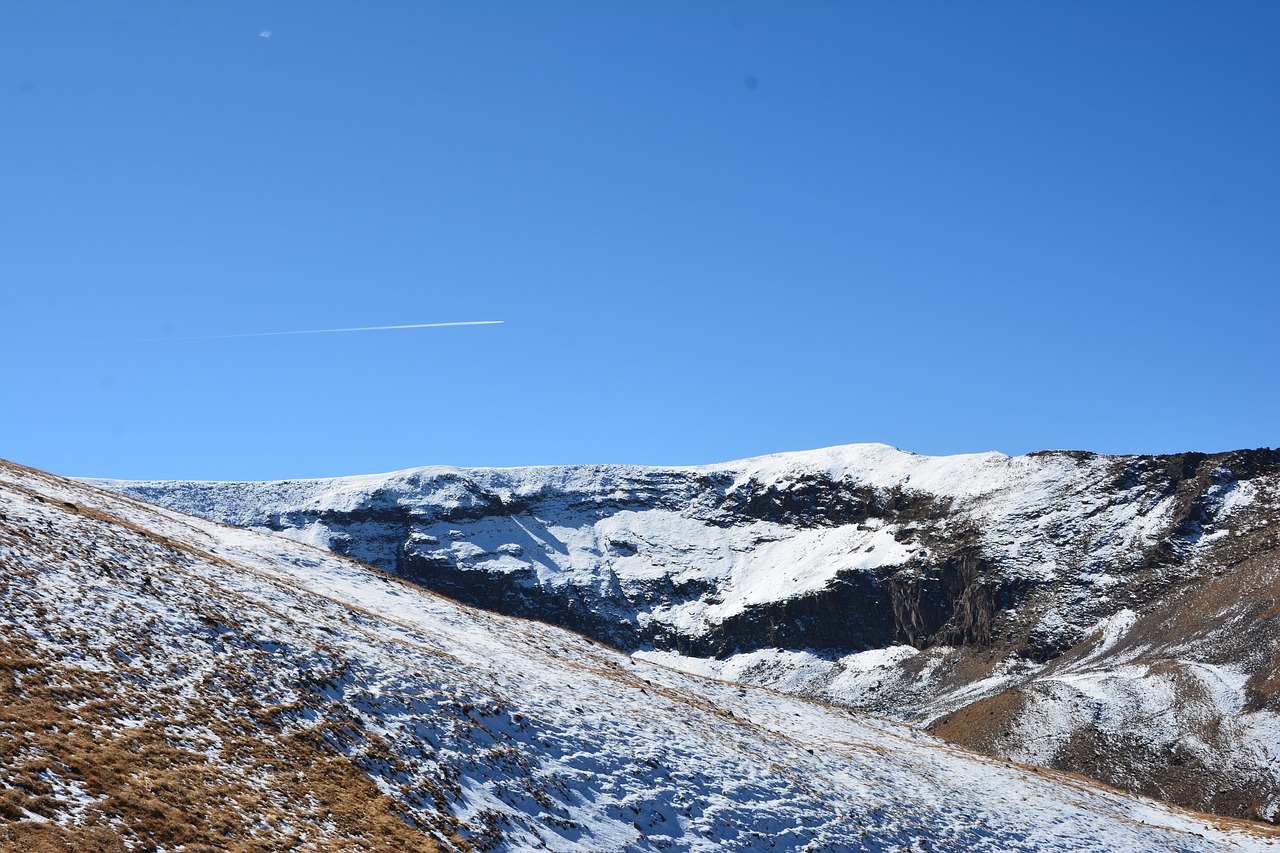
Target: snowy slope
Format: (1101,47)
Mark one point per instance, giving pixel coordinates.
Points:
(922,588)
(170,639)
(597,525)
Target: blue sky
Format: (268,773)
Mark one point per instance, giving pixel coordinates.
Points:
(714,230)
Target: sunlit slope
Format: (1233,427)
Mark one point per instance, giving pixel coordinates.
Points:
(172,681)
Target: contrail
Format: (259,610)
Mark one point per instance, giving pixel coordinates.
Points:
(319,331)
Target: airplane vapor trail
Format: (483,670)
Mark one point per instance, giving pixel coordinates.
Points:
(320,331)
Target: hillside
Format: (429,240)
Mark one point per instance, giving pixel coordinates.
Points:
(1112,616)
(175,684)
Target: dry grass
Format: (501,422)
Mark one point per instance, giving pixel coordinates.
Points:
(268,790)
(984,724)
(92,758)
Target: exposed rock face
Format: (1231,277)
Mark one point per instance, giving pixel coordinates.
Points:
(1115,616)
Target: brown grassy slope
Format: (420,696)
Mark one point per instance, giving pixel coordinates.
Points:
(1230,616)
(92,757)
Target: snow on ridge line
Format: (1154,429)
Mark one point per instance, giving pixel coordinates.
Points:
(461,469)
(871,464)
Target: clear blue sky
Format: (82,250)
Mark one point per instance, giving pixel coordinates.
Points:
(714,230)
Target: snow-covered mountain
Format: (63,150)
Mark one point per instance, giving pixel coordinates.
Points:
(174,684)
(1114,616)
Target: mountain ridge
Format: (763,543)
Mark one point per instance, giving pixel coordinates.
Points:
(925,588)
